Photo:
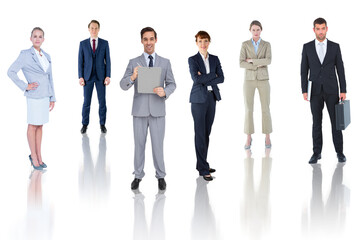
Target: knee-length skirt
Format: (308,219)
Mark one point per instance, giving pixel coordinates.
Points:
(37,110)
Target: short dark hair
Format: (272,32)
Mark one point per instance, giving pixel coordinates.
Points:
(147,29)
(202,35)
(94,21)
(256,23)
(320,21)
(37,28)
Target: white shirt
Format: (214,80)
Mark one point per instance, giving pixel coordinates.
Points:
(207,66)
(44,62)
(317,45)
(96,42)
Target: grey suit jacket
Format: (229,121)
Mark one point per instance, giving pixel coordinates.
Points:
(145,105)
(33,72)
(258,69)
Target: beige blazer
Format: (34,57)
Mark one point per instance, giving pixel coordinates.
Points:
(257,70)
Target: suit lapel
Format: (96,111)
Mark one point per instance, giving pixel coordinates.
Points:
(201,63)
(260,48)
(252,49)
(142,61)
(212,62)
(35,58)
(98,46)
(89,47)
(157,60)
(313,48)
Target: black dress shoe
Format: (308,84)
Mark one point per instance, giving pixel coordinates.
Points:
(314,158)
(211,170)
(135,184)
(103,128)
(341,157)
(209,178)
(83,129)
(162,184)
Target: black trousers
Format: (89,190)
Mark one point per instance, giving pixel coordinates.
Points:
(203,115)
(317,105)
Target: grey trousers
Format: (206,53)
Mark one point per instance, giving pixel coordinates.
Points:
(157,134)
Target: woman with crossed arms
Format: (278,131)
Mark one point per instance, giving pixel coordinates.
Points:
(255,55)
(206,73)
(39,91)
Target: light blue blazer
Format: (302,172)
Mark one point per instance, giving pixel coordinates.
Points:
(33,72)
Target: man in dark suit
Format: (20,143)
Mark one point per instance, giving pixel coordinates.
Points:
(323,59)
(94,69)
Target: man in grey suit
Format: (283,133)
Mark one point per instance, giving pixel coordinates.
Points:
(148,110)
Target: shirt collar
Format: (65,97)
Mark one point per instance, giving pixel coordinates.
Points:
(146,55)
(317,42)
(96,39)
(257,43)
(203,57)
(38,53)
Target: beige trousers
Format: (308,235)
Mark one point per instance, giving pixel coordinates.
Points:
(263,87)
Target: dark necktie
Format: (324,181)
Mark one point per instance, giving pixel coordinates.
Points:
(151,63)
(93,45)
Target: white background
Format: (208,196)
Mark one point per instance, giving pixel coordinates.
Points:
(66,212)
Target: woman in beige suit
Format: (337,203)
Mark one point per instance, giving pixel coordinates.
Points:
(255,56)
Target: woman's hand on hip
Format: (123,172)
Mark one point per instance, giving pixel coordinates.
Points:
(32,86)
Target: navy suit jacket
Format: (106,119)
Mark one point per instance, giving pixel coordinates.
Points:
(103,64)
(199,89)
(322,74)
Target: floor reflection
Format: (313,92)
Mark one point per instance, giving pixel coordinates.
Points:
(157,228)
(39,221)
(327,218)
(203,223)
(94,181)
(255,209)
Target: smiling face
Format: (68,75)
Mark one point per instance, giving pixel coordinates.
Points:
(37,38)
(320,31)
(148,40)
(94,30)
(255,31)
(203,45)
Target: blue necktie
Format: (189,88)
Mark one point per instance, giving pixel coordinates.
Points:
(151,63)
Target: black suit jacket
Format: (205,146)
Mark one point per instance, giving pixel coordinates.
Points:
(103,64)
(199,89)
(322,74)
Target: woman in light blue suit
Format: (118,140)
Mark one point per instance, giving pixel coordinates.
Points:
(39,91)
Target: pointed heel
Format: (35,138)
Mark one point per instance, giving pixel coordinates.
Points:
(35,167)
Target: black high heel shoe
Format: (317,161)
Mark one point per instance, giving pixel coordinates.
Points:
(208,178)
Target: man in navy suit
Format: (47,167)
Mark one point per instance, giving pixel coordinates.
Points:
(94,69)
(323,59)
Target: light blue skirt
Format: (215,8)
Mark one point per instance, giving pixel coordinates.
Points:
(37,110)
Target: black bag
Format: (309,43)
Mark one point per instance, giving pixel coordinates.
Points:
(342,113)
